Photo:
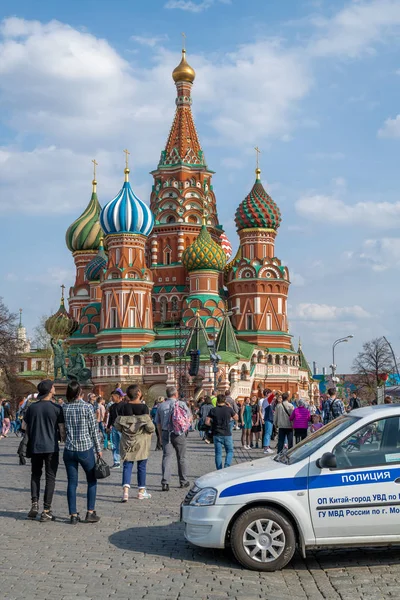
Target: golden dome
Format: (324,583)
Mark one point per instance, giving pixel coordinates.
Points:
(183,72)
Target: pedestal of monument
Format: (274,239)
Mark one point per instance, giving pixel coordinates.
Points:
(61,388)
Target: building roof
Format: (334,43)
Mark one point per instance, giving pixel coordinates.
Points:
(226,340)
(204,253)
(126,213)
(257,210)
(85,232)
(97,264)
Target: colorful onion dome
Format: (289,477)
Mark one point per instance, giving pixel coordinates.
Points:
(183,72)
(85,232)
(61,325)
(99,262)
(204,253)
(126,213)
(258,210)
(226,245)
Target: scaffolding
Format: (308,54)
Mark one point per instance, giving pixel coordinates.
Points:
(182,334)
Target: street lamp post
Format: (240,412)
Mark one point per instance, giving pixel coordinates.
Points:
(333,365)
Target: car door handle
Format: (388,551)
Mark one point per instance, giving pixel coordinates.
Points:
(397,480)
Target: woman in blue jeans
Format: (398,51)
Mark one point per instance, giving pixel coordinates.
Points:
(136,428)
(81,444)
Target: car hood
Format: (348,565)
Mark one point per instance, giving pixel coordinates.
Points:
(242,472)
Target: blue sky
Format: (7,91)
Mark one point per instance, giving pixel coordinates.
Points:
(314,83)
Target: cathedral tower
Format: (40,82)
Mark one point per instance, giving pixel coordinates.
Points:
(126,315)
(182,193)
(83,240)
(257,282)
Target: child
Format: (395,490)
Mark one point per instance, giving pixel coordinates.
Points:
(315,423)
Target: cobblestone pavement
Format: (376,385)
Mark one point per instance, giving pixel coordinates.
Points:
(138,550)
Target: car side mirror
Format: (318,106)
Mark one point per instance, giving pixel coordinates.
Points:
(327,461)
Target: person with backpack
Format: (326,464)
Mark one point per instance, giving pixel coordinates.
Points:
(173,420)
(333,407)
(354,402)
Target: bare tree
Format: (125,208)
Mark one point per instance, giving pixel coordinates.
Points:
(41,341)
(371,363)
(8,349)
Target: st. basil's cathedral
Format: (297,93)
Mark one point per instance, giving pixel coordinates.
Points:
(155,282)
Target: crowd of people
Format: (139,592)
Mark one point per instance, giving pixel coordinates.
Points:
(125,426)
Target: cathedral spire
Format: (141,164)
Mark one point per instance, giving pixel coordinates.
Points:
(183,145)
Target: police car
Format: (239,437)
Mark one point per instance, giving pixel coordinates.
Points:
(338,487)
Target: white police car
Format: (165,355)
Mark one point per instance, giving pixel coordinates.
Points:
(339,487)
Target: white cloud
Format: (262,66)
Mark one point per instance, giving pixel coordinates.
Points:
(332,210)
(81,99)
(356,29)
(378,255)
(53,276)
(296,279)
(325,312)
(191,5)
(149,40)
(390,128)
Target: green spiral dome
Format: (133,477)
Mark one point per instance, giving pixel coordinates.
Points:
(85,233)
(204,253)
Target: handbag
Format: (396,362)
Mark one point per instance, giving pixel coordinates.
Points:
(101,469)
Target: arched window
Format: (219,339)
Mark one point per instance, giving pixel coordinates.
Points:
(163,308)
(109,361)
(116,360)
(167,356)
(243,373)
(126,360)
(174,303)
(259,357)
(285,360)
(277,359)
(156,359)
(171,219)
(270,359)
(102,361)
(153,305)
(136,360)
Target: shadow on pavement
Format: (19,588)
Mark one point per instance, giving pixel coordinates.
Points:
(168,541)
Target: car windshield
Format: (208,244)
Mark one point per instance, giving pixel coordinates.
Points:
(314,441)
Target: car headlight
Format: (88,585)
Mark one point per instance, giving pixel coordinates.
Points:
(204,497)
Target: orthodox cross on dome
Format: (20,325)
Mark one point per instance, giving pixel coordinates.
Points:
(20,317)
(127,153)
(183,41)
(94,182)
(258,152)
(62,292)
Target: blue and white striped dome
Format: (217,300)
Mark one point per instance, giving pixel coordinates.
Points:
(126,213)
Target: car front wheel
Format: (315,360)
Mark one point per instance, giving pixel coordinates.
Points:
(263,539)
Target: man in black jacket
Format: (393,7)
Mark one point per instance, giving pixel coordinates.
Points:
(44,423)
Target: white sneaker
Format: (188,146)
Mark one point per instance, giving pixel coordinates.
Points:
(268,451)
(144,495)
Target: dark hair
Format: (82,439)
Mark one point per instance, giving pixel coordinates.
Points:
(331,392)
(99,399)
(208,400)
(266,392)
(221,398)
(133,392)
(227,393)
(73,391)
(285,396)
